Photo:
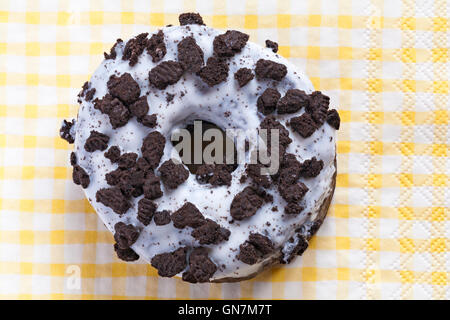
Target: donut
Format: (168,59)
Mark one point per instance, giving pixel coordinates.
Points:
(219,222)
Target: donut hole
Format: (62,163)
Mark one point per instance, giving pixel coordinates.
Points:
(201,146)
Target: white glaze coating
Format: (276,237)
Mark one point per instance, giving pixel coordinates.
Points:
(205,103)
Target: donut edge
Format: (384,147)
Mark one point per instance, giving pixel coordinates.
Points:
(275,259)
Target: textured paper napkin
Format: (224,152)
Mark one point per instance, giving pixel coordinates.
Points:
(385,65)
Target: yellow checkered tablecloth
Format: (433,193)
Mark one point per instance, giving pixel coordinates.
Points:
(385,65)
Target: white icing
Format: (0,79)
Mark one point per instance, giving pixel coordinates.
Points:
(205,103)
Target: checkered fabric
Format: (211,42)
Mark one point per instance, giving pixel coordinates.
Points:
(385,65)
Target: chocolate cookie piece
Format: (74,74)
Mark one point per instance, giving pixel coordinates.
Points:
(127,160)
(170,263)
(267,69)
(243,76)
(165,73)
(87,92)
(134,48)
(201,267)
(270,123)
(73,158)
(80,176)
(156,46)
(125,235)
(292,192)
(140,107)
(187,215)
(96,141)
(318,107)
(246,203)
(146,210)
(161,218)
(311,168)
(333,119)
(124,88)
(172,174)
(267,102)
(113,154)
(127,254)
(293,101)
(293,208)
(215,72)
(254,172)
(190,18)
(229,43)
(214,174)
(272,45)
(65,131)
(255,248)
(152,186)
(112,53)
(117,112)
(190,55)
(148,120)
(289,171)
(153,148)
(113,177)
(302,245)
(114,199)
(210,232)
(303,125)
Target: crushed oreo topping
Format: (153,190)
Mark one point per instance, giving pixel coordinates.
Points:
(267,101)
(156,46)
(293,208)
(253,171)
(267,69)
(169,264)
(149,121)
(165,73)
(187,215)
(125,235)
(243,76)
(292,192)
(113,154)
(96,141)
(255,248)
(210,232)
(303,125)
(127,254)
(161,218)
(140,107)
(114,199)
(190,18)
(127,160)
(124,88)
(80,177)
(201,267)
(152,186)
(65,131)
(246,203)
(311,168)
(190,55)
(134,48)
(318,107)
(73,158)
(214,174)
(117,112)
(146,210)
(229,43)
(293,101)
(172,174)
(153,148)
(215,71)
(333,119)
(272,45)
(112,53)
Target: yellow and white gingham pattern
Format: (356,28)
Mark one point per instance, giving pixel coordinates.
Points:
(385,65)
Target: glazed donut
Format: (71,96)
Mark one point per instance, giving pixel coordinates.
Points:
(226,222)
